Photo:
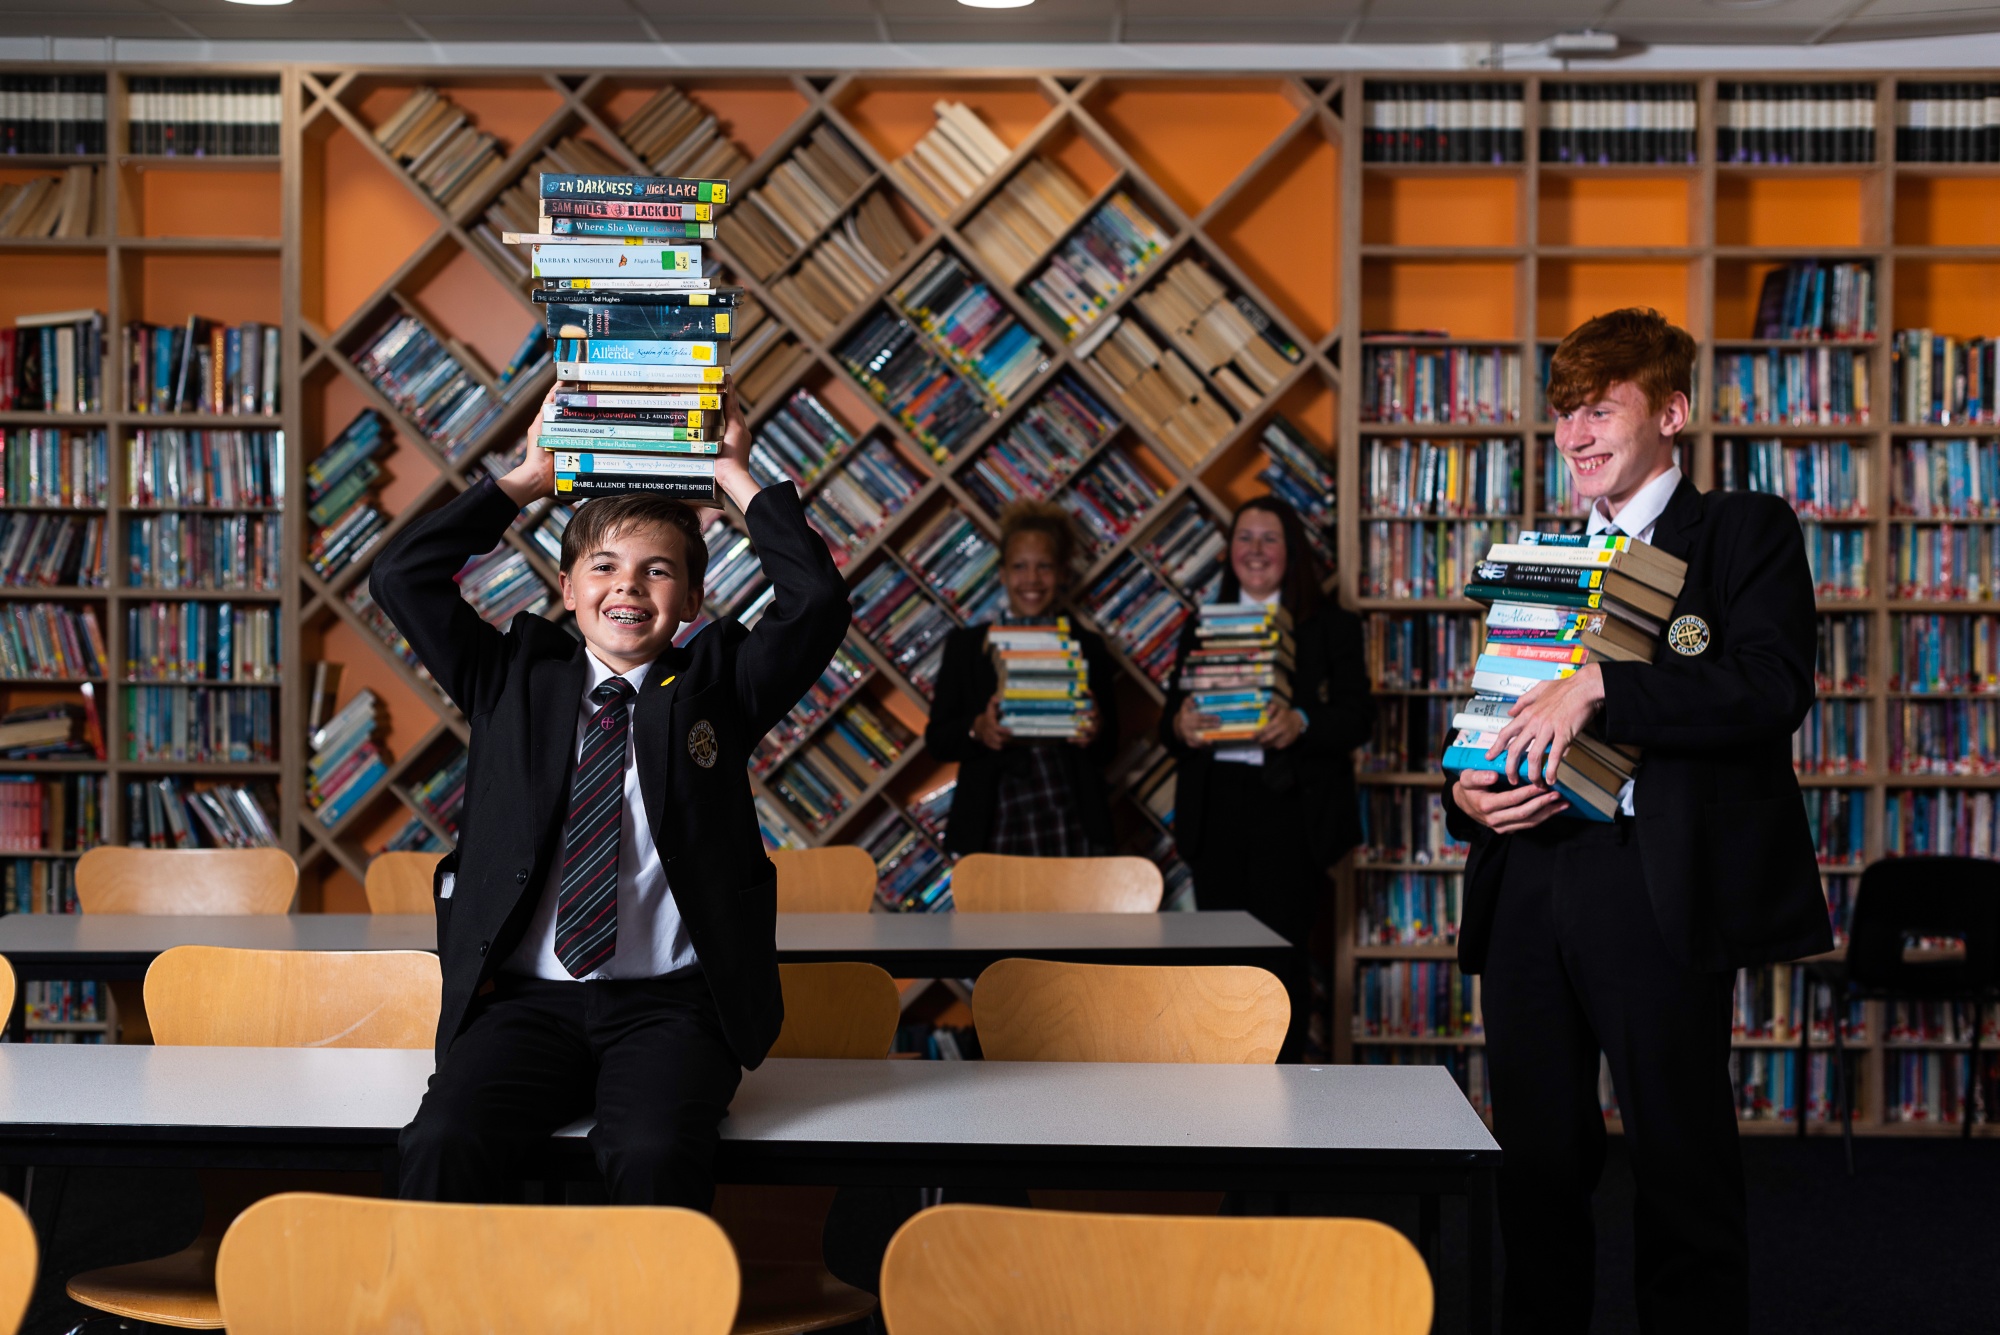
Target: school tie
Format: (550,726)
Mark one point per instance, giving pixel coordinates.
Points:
(587,912)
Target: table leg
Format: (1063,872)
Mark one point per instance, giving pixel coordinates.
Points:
(1479,1251)
(1428,1232)
(46,1185)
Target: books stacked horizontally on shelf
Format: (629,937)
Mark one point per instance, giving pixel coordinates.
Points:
(1300,474)
(848,671)
(893,361)
(429,382)
(1409,121)
(857,501)
(1023,218)
(1240,671)
(501,584)
(54,466)
(1556,603)
(204,117)
(220,470)
(642,336)
(846,266)
(203,367)
(1141,612)
(895,615)
(176,550)
(1470,478)
(519,208)
(1937,380)
(346,765)
(1110,499)
(160,813)
(1044,680)
(1618,122)
(970,327)
(1159,388)
(1822,479)
(800,198)
(199,642)
(800,440)
(959,562)
(52,731)
(51,551)
(1232,338)
(1795,122)
(1413,383)
(1097,264)
(1415,999)
(66,205)
(1042,448)
(1947,122)
(830,776)
(952,160)
(1796,387)
(51,642)
(52,813)
(51,113)
(1810,299)
(435,140)
(340,494)
(1189,549)
(53,363)
(912,873)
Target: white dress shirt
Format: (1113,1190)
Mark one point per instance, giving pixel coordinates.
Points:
(652,939)
(1637,520)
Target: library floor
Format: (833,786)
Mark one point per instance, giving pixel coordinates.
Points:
(1894,1248)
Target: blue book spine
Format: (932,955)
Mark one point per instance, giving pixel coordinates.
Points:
(364,783)
(1459,759)
(1523,667)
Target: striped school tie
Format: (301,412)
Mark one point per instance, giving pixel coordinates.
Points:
(587,912)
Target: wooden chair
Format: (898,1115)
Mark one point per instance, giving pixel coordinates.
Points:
(194,881)
(401,882)
(1043,1011)
(836,879)
(19,1259)
(7,990)
(995,883)
(307,1264)
(982,1270)
(215,997)
(846,1011)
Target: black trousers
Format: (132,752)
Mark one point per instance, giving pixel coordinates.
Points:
(1576,967)
(647,1056)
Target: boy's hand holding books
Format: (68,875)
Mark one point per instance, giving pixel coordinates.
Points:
(535,476)
(1545,720)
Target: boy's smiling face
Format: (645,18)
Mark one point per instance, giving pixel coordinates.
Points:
(631,594)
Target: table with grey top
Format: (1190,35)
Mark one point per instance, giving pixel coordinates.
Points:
(1097,1126)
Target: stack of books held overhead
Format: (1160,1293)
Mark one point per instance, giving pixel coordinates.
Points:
(1240,672)
(642,336)
(1555,603)
(1044,682)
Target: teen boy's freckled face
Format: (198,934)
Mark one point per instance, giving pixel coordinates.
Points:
(1613,445)
(631,595)
(1030,575)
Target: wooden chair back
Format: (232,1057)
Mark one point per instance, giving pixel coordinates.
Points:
(192,881)
(981,1270)
(401,882)
(996,883)
(19,1259)
(7,988)
(1043,1011)
(308,1264)
(837,879)
(837,1010)
(211,996)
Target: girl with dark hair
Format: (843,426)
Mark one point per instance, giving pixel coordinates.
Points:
(1029,798)
(1260,824)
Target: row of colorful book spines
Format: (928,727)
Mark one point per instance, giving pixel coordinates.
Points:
(37,885)
(44,813)
(54,466)
(200,724)
(62,1001)
(1415,999)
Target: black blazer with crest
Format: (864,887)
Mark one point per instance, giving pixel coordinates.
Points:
(1721,825)
(519,691)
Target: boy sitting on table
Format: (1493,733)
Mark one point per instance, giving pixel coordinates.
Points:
(607,924)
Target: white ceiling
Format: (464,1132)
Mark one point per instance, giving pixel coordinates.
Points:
(656,22)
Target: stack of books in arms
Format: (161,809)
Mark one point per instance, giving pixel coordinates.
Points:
(1096,264)
(912,875)
(340,494)
(53,363)
(1556,602)
(345,765)
(224,815)
(1044,681)
(858,500)
(642,337)
(1240,671)
(202,367)
(437,143)
(518,208)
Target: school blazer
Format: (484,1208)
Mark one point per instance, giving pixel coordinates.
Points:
(966,681)
(1330,687)
(701,710)
(1721,826)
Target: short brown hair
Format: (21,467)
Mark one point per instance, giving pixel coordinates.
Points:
(1637,345)
(1045,518)
(597,521)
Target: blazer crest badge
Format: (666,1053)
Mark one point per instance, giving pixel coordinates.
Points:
(701,744)
(1688,635)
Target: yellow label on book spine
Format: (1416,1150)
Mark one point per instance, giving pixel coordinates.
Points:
(722,322)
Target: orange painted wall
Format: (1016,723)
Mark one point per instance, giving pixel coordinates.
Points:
(49,282)
(465,300)
(1614,211)
(204,203)
(1080,158)
(1788,211)
(405,717)
(755,112)
(1947,211)
(1194,138)
(1572,291)
(372,223)
(1953,298)
(1281,231)
(894,117)
(1439,210)
(229,288)
(1465,300)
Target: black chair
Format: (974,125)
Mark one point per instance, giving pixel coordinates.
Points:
(1902,901)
